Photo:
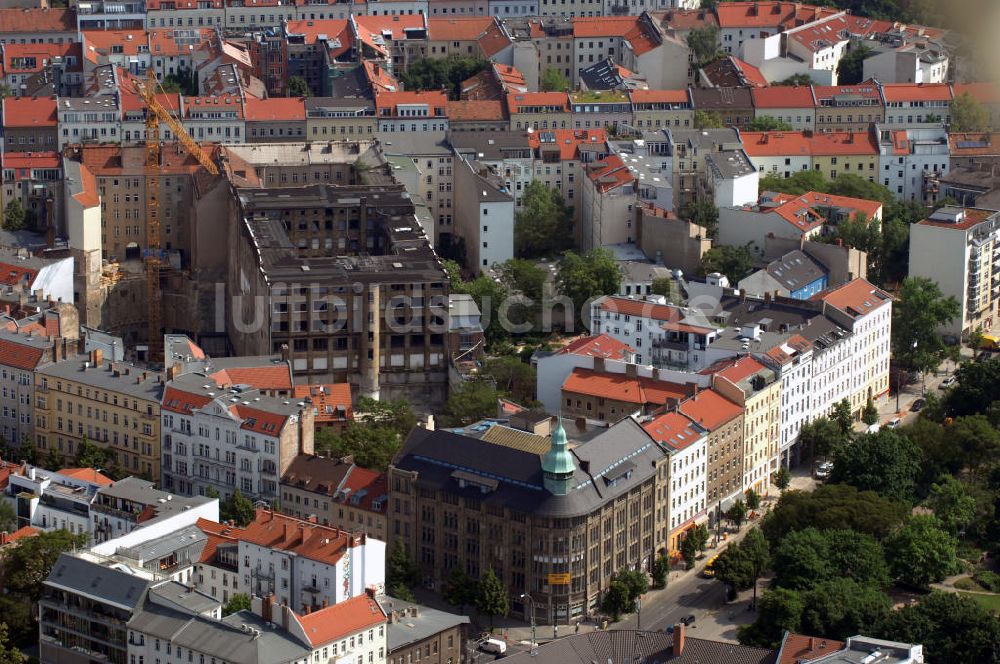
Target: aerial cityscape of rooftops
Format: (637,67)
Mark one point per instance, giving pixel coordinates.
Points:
(445,331)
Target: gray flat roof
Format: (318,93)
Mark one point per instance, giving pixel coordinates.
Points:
(409,629)
(129,379)
(106,582)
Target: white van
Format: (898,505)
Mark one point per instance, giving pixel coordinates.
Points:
(495,646)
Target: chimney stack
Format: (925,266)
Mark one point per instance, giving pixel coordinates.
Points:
(97,357)
(678,647)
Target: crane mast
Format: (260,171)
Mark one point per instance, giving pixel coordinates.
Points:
(155,114)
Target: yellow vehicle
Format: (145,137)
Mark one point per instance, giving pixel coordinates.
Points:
(709,570)
(989,342)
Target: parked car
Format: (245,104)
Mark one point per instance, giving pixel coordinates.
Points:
(823,470)
(894,422)
(947,382)
(709,570)
(495,646)
(688,619)
(918,405)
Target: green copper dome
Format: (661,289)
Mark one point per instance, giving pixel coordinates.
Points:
(557,464)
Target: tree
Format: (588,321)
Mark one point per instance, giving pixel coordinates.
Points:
(921,552)
(806,557)
(238,508)
(821,436)
(917,315)
(782,478)
(9,654)
(938,452)
(704,214)
(800,559)
(779,611)
(472,401)
(689,552)
(28,564)
(851,70)
(460,589)
(978,387)
(768,123)
(636,582)
(840,608)
(952,628)
(734,262)
(512,377)
(708,120)
(5,90)
(886,462)
(374,437)
(89,455)
(553,80)
(491,597)
(28,451)
(795,79)
(737,513)
(587,276)
(700,535)
(734,568)
(489,295)
(661,572)
(54,460)
(543,226)
(967,114)
(843,417)
(238,602)
(952,503)
(753,500)
(616,601)
(797,183)
(297,87)
(524,277)
(833,506)
(704,44)
(399,591)
(442,73)
(870,414)
(663,286)
(977,438)
(185,82)
(14,216)
(8,517)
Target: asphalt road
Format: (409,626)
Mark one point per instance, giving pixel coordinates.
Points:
(692,594)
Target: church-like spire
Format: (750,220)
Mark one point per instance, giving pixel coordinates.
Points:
(557,464)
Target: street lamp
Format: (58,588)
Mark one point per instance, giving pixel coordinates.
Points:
(531,602)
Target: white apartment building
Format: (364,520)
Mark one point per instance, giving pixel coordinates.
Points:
(214,119)
(912,160)
(88,120)
(484,214)
(302,564)
(909,106)
(608,202)
(687,445)
(792,361)
(221,439)
(401,112)
(959,249)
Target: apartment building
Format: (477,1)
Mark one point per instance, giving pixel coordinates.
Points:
(532,514)
(484,214)
(661,109)
(27,68)
(913,161)
(609,397)
(30,124)
(792,104)
(734,105)
(830,153)
(958,249)
(791,360)
(179,13)
(332,118)
(848,107)
(400,112)
(275,120)
(283,237)
(539,110)
(914,105)
(740,22)
(608,202)
(298,563)
(692,174)
(215,119)
(38,25)
(95,119)
(687,445)
(127,49)
(756,388)
(420,632)
(219,439)
(113,405)
(722,422)
(336,493)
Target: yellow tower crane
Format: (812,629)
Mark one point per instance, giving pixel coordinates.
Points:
(157,113)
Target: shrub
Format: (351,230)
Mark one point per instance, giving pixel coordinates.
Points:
(988,580)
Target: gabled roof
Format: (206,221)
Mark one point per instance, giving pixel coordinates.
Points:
(474,109)
(432,98)
(335,32)
(568,141)
(640,308)
(797,648)
(559,100)
(193,105)
(31,160)
(610,173)
(807,143)
(26,112)
(340,620)
(601,345)
(822,35)
(789,349)
(332,401)
(659,96)
(768,14)
(19,356)
(710,409)
(866,90)
(87,475)
(674,431)
(27,58)
(638,390)
(783,96)
(856,299)
(37,20)
(259,421)
(275,109)
(735,369)
(909,92)
(103,42)
(183,402)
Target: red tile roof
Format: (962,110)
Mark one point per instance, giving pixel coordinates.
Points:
(984,93)
(783,96)
(856,298)
(13,275)
(31,160)
(799,214)
(601,345)
(475,109)
(973,217)
(197,105)
(710,409)
(640,308)
(619,387)
(603,26)
(688,19)
(432,98)
(180,401)
(767,14)
(374,485)
(100,42)
(800,143)
(735,369)
(25,58)
(163,42)
(906,92)
(867,90)
(37,20)
(332,401)
(343,619)
(509,78)
(89,196)
(259,421)
(822,35)
(789,349)
(610,173)
(87,475)
(275,109)
(19,356)
(19,534)
(558,100)
(752,74)
(960,145)
(568,141)
(797,648)
(659,96)
(379,78)
(312,29)
(673,430)
(870,209)
(458,29)
(23,112)
(277,531)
